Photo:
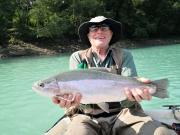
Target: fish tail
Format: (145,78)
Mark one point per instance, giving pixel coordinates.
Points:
(161,88)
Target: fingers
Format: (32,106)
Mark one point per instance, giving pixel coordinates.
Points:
(67,100)
(144,80)
(55,100)
(77,100)
(64,102)
(129,95)
(137,94)
(146,95)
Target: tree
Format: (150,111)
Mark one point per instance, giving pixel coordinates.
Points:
(54,19)
(6,12)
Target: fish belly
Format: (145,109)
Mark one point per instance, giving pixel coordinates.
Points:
(97,91)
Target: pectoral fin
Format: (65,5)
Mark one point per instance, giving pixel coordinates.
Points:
(104,106)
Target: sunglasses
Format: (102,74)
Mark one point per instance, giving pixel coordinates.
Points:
(102,27)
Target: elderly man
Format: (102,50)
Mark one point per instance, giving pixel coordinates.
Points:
(127,117)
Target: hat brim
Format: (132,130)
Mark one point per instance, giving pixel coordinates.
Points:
(115,27)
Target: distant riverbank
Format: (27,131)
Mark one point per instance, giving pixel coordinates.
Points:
(20,48)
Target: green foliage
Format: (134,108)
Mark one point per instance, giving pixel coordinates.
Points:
(59,18)
(20,19)
(6,13)
(32,19)
(163,16)
(47,19)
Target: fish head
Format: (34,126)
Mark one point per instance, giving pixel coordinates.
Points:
(48,88)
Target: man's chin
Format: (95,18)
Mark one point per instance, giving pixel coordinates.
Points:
(100,43)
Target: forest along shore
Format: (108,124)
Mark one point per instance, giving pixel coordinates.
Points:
(20,48)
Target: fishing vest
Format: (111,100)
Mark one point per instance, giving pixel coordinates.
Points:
(87,58)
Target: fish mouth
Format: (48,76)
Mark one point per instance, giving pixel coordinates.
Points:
(38,85)
(37,89)
(40,90)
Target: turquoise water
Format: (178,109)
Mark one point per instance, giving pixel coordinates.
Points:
(23,112)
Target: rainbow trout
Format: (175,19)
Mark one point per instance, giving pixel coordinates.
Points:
(96,87)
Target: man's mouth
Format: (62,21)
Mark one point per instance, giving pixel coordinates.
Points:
(100,38)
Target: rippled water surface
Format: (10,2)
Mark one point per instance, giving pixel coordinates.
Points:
(23,112)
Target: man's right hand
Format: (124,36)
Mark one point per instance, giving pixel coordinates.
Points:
(66,102)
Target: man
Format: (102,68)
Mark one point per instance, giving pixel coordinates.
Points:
(126,118)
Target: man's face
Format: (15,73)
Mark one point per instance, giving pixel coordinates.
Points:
(100,36)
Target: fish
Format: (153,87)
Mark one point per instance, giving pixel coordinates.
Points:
(96,86)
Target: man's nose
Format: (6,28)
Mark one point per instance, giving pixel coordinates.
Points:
(99,30)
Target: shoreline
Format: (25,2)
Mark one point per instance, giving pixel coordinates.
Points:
(20,48)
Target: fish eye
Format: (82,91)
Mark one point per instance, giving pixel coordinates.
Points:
(41,84)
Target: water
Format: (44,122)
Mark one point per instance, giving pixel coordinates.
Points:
(23,112)
(160,62)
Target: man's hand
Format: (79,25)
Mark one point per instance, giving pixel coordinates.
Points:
(66,102)
(138,94)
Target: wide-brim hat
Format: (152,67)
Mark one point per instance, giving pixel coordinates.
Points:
(115,27)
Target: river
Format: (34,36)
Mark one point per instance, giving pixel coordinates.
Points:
(23,112)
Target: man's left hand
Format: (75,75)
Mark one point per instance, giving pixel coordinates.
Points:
(137,94)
